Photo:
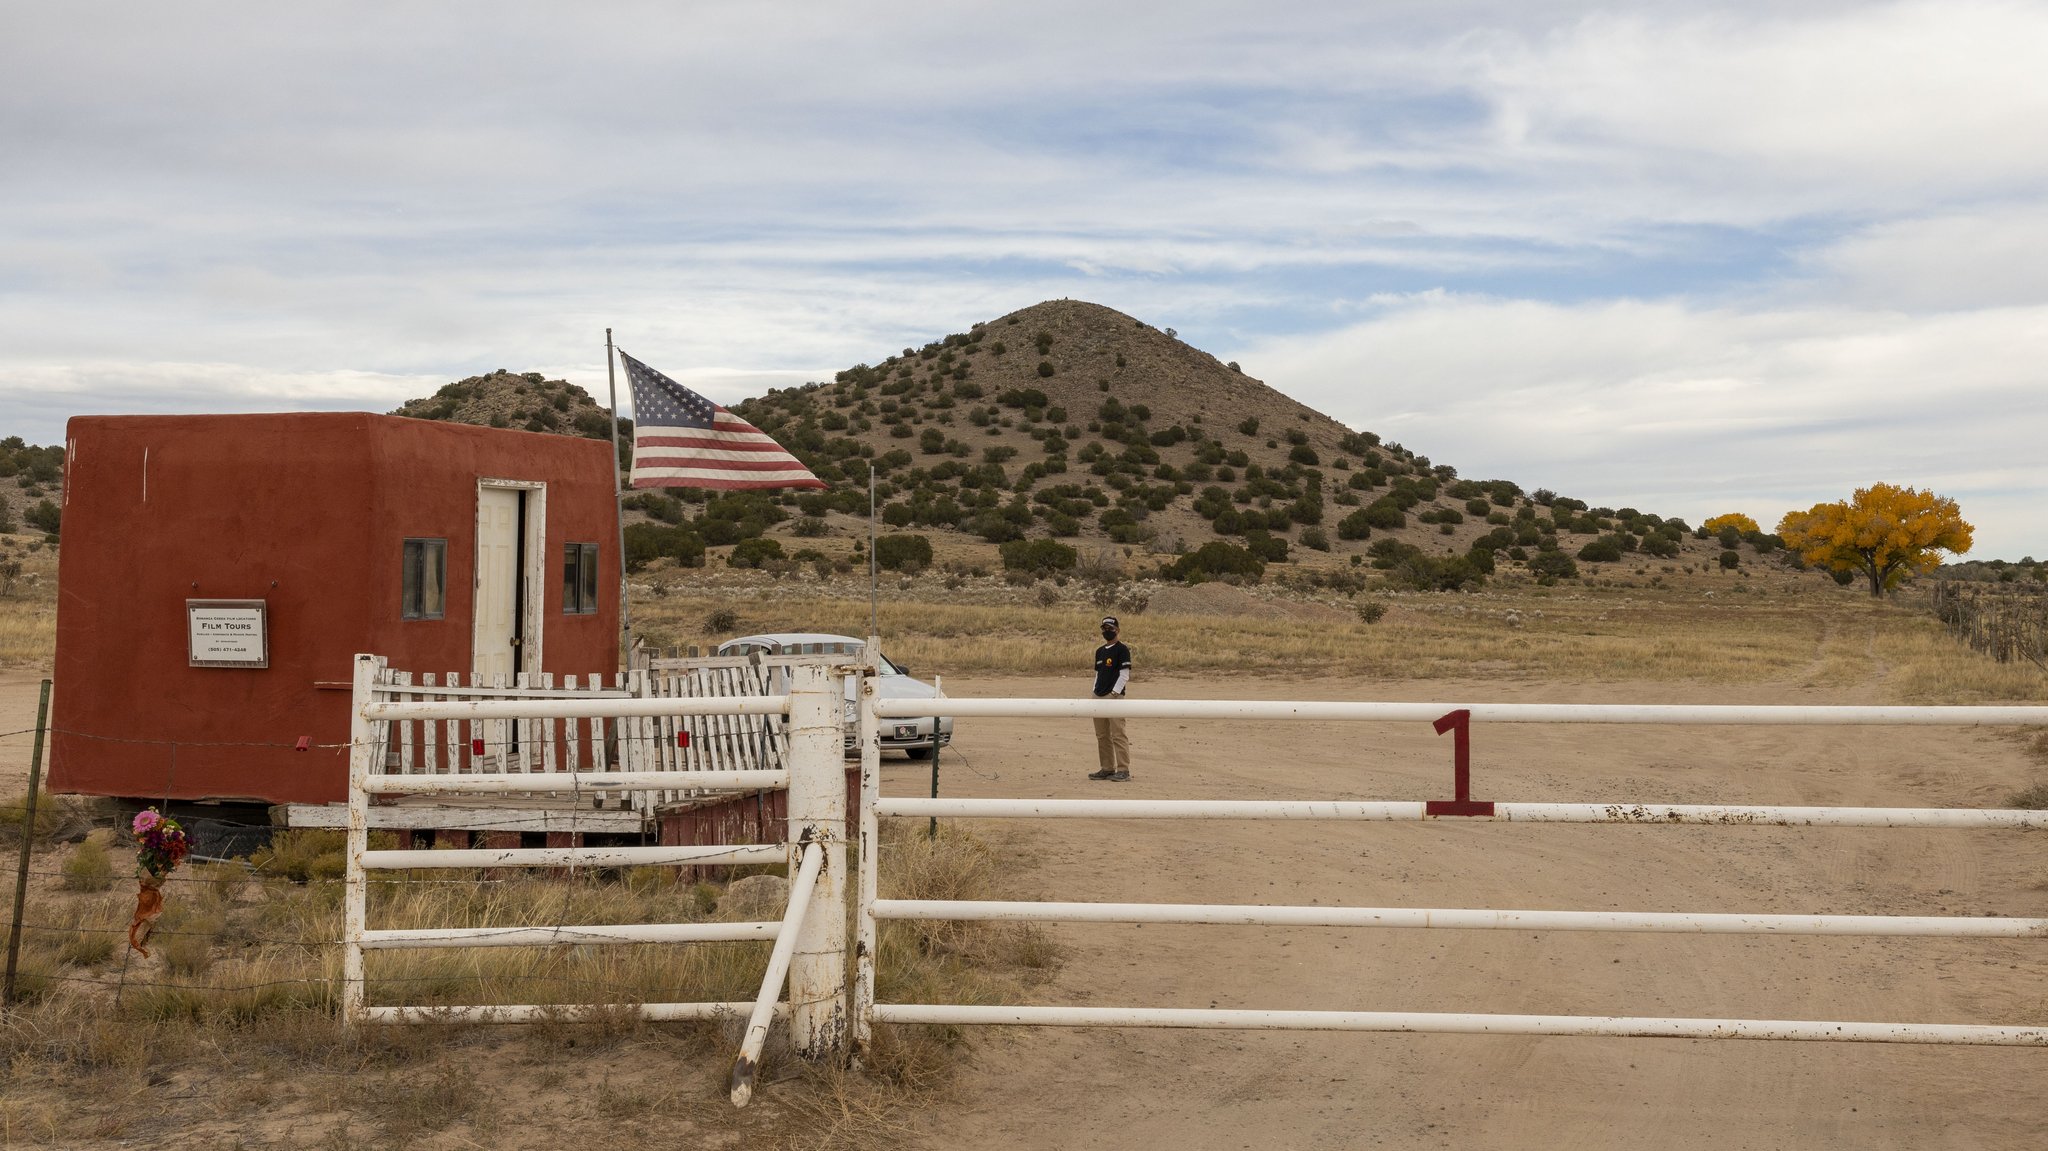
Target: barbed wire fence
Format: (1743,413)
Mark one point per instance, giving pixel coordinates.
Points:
(2009,623)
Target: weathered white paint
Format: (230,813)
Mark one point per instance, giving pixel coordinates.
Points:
(608,705)
(495,608)
(866,939)
(1465,918)
(817,821)
(499,783)
(562,818)
(800,890)
(550,1013)
(578,856)
(1456,1023)
(1263,709)
(420,937)
(1401,811)
(364,752)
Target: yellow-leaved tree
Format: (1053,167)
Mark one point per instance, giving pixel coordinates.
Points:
(1887,533)
(1741,523)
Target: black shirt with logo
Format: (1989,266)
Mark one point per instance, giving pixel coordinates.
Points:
(1110,659)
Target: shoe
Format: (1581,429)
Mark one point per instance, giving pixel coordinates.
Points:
(1120,777)
(1105,773)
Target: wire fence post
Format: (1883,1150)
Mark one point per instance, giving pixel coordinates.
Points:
(28,839)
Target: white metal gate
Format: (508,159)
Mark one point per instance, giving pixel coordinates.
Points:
(1448,718)
(811,941)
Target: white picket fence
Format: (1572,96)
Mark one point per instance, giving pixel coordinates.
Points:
(815,851)
(463,743)
(812,936)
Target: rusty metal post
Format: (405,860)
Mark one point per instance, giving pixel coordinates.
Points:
(362,748)
(817,814)
(28,840)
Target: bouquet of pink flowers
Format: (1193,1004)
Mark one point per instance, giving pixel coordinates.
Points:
(160,844)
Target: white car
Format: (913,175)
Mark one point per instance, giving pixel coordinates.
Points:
(912,737)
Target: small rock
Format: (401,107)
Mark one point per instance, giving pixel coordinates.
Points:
(754,898)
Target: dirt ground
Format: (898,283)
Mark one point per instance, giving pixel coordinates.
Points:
(1195,1090)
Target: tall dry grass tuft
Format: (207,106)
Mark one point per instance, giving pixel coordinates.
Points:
(90,866)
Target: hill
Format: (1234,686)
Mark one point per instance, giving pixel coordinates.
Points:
(525,400)
(1070,434)
(1075,422)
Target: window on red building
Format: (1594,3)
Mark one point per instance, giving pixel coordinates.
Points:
(423,581)
(579,579)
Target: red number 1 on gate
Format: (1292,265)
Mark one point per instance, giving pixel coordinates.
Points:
(1459,723)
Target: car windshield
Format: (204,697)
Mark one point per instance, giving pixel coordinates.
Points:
(848,647)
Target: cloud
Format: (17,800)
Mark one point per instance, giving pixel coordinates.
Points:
(1776,230)
(1994,256)
(1692,411)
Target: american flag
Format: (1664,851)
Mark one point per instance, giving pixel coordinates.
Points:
(682,440)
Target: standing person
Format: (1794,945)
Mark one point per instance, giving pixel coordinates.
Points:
(1112,676)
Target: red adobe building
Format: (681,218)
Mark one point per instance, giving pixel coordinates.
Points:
(218,574)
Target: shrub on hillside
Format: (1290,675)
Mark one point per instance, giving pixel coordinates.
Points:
(1038,557)
(1660,545)
(1605,550)
(648,542)
(1385,514)
(1550,566)
(894,552)
(1216,560)
(1437,573)
(754,552)
(44,517)
(1355,526)
(1731,559)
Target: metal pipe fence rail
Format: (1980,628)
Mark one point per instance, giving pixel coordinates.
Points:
(1446,718)
(808,950)
(1409,811)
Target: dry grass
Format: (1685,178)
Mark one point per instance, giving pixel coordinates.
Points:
(242,977)
(28,615)
(1775,628)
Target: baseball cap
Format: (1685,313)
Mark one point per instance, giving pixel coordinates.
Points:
(1110,621)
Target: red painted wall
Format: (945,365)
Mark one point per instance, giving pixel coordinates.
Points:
(307,511)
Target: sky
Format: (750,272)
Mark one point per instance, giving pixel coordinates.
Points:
(1688,257)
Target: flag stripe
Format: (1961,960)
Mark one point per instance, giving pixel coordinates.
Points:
(700,460)
(681,439)
(715,443)
(691,481)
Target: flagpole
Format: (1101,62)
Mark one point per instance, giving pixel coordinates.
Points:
(619,513)
(873,579)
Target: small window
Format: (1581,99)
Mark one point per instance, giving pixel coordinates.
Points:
(579,579)
(423,581)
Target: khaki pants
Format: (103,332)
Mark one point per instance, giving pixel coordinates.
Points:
(1112,746)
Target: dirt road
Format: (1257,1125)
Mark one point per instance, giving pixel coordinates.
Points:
(1191,1090)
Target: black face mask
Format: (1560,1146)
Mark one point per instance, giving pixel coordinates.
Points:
(1109,633)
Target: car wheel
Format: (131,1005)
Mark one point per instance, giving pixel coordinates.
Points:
(918,752)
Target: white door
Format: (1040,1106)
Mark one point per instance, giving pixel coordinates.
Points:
(497,582)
